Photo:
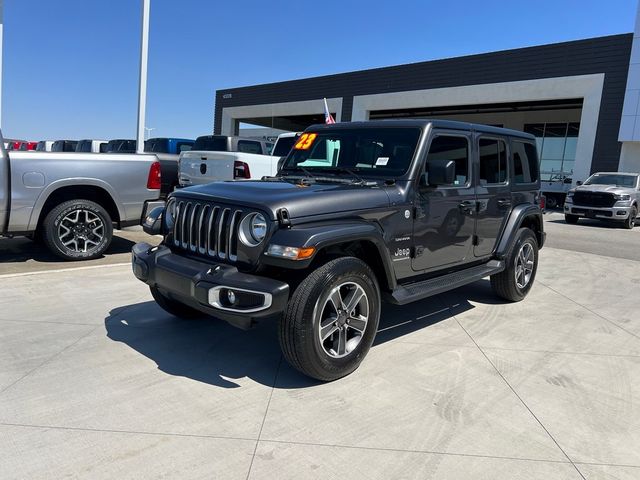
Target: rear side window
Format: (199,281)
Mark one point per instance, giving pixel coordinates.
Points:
(449,147)
(493,161)
(249,147)
(525,162)
(183,146)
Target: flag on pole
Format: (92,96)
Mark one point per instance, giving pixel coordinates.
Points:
(328,118)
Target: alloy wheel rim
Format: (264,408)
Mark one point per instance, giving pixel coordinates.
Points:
(81,231)
(524,265)
(343,319)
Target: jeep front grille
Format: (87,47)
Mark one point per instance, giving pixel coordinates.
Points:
(206,229)
(594,199)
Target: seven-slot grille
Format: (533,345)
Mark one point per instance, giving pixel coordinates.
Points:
(207,229)
(594,199)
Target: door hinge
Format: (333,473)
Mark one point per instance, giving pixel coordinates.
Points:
(476,241)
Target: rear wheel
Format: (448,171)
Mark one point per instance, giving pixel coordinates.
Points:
(571,219)
(515,281)
(332,319)
(174,307)
(78,230)
(630,222)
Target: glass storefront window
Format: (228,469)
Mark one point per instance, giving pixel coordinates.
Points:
(556,144)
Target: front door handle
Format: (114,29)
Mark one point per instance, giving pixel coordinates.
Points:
(467,206)
(504,203)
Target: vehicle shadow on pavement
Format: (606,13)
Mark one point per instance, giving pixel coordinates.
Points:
(22,249)
(213,352)
(592,223)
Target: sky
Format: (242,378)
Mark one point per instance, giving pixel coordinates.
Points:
(71,66)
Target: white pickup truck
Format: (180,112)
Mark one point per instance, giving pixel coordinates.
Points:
(217,158)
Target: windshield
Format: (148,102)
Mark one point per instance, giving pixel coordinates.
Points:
(121,146)
(157,145)
(210,143)
(612,179)
(380,152)
(84,146)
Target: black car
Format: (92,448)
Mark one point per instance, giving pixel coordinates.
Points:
(360,213)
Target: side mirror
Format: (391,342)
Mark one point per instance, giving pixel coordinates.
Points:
(578,183)
(441,172)
(152,225)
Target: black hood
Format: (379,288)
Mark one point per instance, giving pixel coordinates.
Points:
(300,201)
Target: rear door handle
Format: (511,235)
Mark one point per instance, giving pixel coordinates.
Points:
(503,203)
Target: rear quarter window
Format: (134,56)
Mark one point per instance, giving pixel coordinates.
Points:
(525,162)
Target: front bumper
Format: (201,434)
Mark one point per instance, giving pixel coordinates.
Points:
(198,284)
(610,213)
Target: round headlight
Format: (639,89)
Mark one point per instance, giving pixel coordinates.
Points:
(258,227)
(253,229)
(170,214)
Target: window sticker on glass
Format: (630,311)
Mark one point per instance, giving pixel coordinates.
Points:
(382,161)
(305,141)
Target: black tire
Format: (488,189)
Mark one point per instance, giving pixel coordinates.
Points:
(571,219)
(174,307)
(630,222)
(504,283)
(299,328)
(55,235)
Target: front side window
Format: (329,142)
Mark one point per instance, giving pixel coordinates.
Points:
(377,152)
(493,161)
(452,148)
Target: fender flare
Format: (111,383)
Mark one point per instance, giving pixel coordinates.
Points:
(72,182)
(515,220)
(322,236)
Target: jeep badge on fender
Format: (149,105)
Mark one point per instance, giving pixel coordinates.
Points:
(349,240)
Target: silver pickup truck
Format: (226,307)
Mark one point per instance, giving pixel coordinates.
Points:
(605,196)
(71,201)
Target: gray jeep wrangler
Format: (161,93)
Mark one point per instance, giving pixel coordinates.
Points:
(359,213)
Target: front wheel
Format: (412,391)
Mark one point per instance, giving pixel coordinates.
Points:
(630,222)
(515,281)
(78,230)
(332,319)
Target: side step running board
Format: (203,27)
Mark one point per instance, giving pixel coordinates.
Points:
(434,286)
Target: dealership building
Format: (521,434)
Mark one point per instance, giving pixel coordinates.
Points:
(580,99)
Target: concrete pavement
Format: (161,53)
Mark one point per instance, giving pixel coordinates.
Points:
(97,382)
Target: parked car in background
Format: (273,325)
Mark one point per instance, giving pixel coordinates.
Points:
(121,146)
(28,146)
(168,152)
(173,146)
(44,146)
(64,146)
(14,145)
(605,196)
(219,157)
(72,201)
(91,146)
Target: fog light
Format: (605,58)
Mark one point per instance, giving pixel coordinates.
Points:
(231,297)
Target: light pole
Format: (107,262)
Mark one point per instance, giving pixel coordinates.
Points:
(142,86)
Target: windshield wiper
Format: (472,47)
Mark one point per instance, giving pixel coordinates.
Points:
(351,172)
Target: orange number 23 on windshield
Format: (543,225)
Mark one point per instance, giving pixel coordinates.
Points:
(306,140)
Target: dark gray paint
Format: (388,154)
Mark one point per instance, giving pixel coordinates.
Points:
(609,55)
